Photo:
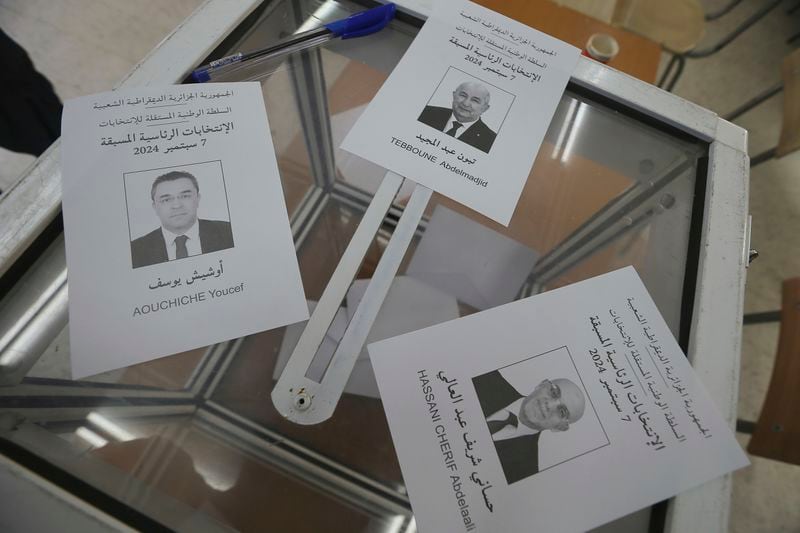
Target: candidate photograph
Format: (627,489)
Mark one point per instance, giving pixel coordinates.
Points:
(537,415)
(460,108)
(179,230)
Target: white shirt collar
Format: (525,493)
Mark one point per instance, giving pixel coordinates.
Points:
(510,432)
(192,244)
(464,125)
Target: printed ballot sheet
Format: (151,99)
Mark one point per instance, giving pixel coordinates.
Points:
(177,234)
(466,108)
(559,412)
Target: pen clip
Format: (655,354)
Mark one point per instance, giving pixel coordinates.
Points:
(201,75)
(363,23)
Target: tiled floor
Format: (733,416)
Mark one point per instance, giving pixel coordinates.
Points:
(85,46)
(766,496)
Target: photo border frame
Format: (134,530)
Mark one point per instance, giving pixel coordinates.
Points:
(224,188)
(585,391)
(438,85)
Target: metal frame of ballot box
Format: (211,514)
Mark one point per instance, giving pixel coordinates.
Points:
(34,311)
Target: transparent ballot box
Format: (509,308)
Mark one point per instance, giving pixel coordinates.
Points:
(627,175)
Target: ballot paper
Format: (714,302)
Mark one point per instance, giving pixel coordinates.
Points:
(292,334)
(409,305)
(559,412)
(177,234)
(464,258)
(465,110)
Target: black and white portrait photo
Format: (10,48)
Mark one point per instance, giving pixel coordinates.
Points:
(177,212)
(532,410)
(468,109)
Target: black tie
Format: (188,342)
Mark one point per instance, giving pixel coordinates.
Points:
(180,247)
(497,425)
(452,131)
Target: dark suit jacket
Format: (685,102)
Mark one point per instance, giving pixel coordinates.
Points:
(151,249)
(477,134)
(519,456)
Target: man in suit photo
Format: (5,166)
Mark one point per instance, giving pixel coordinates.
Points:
(516,421)
(463,120)
(176,197)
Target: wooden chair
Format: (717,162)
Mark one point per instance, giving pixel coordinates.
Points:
(777,432)
(790,128)
(790,122)
(678,25)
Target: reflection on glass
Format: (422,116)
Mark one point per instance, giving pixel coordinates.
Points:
(198,430)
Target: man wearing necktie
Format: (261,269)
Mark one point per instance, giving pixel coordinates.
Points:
(176,197)
(516,421)
(463,120)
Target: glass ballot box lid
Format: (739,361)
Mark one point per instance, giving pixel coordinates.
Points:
(193,441)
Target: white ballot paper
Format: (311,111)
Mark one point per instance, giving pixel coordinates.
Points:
(477,265)
(176,229)
(559,412)
(409,305)
(466,108)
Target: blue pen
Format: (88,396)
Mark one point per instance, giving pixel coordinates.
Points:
(358,25)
